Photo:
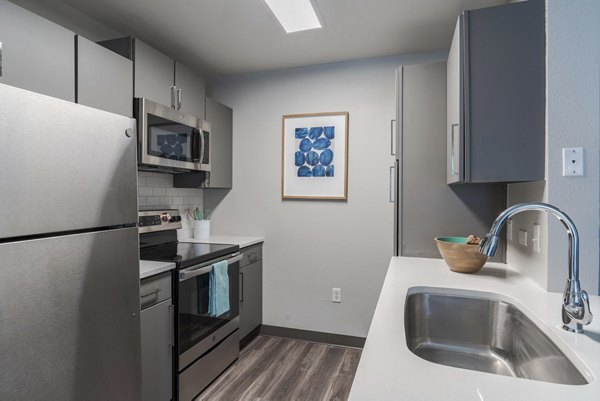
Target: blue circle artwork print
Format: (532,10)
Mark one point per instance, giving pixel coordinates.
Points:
(305,145)
(314,151)
(326,157)
(329,132)
(312,158)
(299,158)
(318,171)
(304,171)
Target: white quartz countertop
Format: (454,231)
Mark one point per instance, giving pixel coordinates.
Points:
(149,268)
(242,242)
(388,370)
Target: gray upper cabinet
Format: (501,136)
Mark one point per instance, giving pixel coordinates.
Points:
(37,55)
(496,95)
(154,73)
(221,119)
(193,91)
(104,78)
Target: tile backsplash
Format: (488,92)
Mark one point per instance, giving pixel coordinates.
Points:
(155,190)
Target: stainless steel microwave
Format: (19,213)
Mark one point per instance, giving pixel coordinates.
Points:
(169,140)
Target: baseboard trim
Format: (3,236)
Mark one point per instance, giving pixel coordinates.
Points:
(249,337)
(315,336)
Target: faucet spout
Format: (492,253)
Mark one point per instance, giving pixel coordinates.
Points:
(576,308)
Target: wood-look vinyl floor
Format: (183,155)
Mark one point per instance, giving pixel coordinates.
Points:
(281,369)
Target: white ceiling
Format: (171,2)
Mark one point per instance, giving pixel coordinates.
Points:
(237,36)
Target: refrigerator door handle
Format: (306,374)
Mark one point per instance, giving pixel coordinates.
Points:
(393,137)
(392,186)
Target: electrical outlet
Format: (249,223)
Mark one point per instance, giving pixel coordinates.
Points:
(509,230)
(572,162)
(523,237)
(535,238)
(336,295)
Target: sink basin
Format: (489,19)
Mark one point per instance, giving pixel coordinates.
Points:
(478,332)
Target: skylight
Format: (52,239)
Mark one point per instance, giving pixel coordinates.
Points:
(294,15)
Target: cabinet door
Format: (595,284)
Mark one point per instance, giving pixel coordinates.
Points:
(104,78)
(454,128)
(250,298)
(221,119)
(154,74)
(37,55)
(193,91)
(157,364)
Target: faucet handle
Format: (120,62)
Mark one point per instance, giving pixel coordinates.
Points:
(587,313)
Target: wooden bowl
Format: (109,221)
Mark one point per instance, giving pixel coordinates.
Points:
(460,256)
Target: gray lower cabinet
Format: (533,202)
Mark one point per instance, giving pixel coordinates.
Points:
(104,78)
(36,54)
(157,327)
(250,290)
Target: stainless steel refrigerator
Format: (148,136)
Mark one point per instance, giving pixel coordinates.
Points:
(69,275)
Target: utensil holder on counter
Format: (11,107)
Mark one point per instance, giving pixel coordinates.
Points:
(201,229)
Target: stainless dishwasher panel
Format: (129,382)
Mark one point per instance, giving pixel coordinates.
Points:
(201,373)
(70,318)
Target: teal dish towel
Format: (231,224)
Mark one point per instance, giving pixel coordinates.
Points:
(218,289)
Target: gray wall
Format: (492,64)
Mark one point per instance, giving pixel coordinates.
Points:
(312,246)
(573,120)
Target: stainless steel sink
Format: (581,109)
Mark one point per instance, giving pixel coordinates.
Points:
(484,334)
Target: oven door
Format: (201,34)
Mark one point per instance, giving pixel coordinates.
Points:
(197,329)
(168,139)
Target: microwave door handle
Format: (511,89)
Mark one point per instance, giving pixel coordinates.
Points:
(196,152)
(202,146)
(187,274)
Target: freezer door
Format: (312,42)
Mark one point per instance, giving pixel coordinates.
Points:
(64,166)
(69,318)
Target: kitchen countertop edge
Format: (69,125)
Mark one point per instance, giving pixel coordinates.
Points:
(149,268)
(241,241)
(388,370)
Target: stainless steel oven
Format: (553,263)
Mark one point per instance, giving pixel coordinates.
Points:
(206,344)
(170,140)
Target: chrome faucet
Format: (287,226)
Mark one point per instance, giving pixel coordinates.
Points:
(576,306)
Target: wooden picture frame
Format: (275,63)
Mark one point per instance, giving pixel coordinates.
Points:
(314,156)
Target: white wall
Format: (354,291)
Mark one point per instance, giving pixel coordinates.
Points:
(573,120)
(312,246)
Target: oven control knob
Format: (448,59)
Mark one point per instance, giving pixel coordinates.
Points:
(165,217)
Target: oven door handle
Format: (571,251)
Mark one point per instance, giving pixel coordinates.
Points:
(195,272)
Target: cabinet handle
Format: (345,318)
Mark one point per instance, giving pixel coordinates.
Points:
(179,96)
(392,137)
(172,324)
(155,292)
(173,97)
(392,186)
(452,150)
(242,287)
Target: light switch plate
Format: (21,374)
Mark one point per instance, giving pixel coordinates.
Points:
(572,162)
(535,238)
(523,237)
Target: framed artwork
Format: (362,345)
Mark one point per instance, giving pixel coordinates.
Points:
(315,156)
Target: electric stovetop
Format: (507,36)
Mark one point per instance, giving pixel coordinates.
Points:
(184,254)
